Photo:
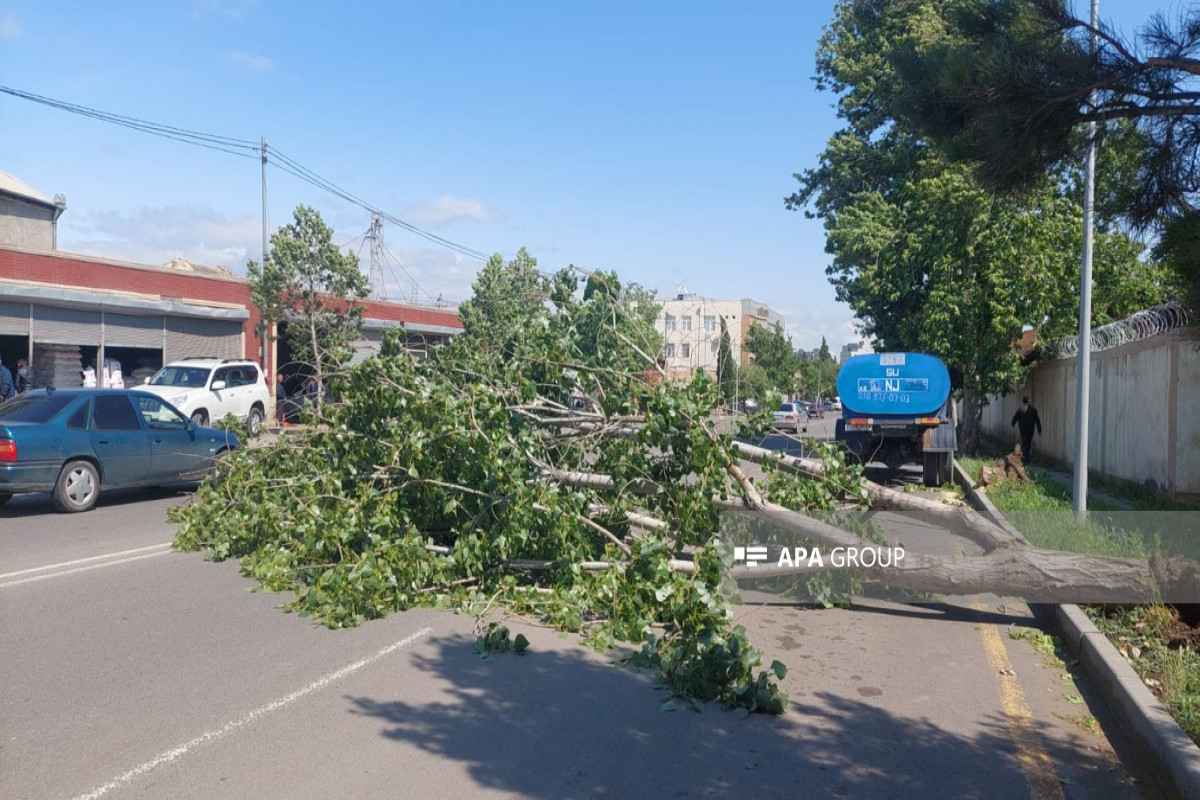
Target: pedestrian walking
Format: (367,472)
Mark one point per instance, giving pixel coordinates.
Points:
(1026,420)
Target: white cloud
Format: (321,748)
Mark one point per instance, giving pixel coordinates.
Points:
(252,62)
(446,209)
(10,28)
(156,235)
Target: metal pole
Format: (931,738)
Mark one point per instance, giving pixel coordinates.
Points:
(266,334)
(1083,363)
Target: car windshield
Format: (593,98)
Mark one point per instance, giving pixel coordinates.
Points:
(33,407)
(181,376)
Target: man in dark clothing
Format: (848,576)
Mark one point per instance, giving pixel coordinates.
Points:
(22,377)
(7,387)
(1026,420)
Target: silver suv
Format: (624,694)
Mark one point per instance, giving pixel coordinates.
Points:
(207,389)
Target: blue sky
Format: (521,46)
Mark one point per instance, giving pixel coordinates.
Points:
(654,139)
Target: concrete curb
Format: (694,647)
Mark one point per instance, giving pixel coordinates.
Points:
(1159,744)
(1158,741)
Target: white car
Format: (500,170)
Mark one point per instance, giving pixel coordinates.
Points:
(790,416)
(208,389)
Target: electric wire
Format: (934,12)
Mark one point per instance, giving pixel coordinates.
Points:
(234,146)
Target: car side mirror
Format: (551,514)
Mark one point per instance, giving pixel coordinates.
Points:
(190,425)
(218,385)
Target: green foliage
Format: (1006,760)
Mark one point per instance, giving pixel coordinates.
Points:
(309,282)
(496,639)
(446,482)
(774,354)
(727,376)
(930,259)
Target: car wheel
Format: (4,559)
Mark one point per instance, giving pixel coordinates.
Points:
(5,497)
(77,488)
(200,418)
(254,422)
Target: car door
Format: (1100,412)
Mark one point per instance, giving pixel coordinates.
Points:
(174,452)
(225,399)
(119,440)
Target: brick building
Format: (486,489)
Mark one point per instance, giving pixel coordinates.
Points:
(141,315)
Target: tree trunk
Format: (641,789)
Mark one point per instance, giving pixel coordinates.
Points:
(972,424)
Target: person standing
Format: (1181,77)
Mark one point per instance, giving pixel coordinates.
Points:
(7,387)
(22,378)
(1026,420)
(281,400)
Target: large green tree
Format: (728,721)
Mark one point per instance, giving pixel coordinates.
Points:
(929,258)
(311,284)
(726,368)
(773,352)
(1006,85)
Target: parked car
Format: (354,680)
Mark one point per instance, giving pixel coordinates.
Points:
(815,411)
(837,404)
(790,416)
(74,442)
(208,389)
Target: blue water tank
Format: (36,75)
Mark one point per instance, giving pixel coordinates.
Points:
(879,384)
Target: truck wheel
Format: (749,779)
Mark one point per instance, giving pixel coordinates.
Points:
(933,473)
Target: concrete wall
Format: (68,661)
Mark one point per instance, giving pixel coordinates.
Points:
(25,224)
(1143,413)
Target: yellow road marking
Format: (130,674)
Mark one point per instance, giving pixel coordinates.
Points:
(1035,761)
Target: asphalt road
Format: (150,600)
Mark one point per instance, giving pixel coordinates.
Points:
(134,671)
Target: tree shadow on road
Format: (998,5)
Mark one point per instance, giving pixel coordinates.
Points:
(560,722)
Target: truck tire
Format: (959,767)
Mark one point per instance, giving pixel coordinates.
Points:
(933,472)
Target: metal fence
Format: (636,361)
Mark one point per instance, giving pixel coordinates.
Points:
(1141,325)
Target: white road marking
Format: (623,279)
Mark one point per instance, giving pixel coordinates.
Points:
(59,572)
(62,564)
(182,750)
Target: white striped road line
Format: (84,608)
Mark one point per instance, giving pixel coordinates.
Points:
(72,567)
(176,753)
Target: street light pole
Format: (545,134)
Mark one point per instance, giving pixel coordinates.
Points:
(1083,362)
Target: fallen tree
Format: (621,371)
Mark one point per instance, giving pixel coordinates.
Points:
(539,465)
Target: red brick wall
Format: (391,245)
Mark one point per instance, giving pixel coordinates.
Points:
(92,273)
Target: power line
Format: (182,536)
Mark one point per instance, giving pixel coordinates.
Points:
(233,146)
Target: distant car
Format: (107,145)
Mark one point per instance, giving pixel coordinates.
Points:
(837,404)
(750,406)
(74,442)
(815,411)
(790,416)
(208,389)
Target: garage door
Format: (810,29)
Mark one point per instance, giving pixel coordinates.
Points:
(202,338)
(14,318)
(127,330)
(65,326)
(367,346)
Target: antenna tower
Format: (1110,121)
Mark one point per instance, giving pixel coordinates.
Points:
(375,234)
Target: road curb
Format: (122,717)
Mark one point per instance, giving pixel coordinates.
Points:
(1159,744)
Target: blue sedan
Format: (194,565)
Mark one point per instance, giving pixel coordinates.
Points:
(72,442)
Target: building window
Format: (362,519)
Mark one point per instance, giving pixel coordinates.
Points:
(669,322)
(670,350)
(687,322)
(687,349)
(710,324)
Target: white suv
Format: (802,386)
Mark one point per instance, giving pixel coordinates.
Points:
(207,389)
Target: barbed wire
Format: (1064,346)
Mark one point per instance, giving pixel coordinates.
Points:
(1140,325)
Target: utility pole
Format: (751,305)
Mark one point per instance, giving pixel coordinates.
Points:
(1083,362)
(375,234)
(266,336)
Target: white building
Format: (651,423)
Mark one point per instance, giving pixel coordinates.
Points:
(691,330)
(860,348)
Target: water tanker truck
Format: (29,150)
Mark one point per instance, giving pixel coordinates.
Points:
(895,409)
